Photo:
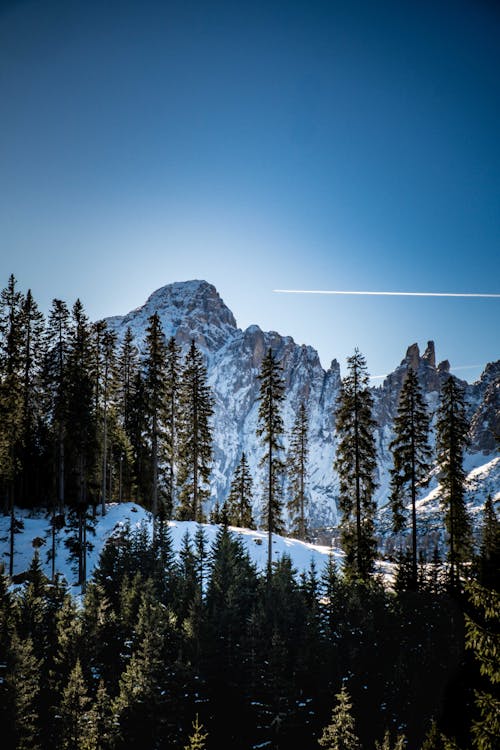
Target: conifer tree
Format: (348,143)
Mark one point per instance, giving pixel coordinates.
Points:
(155,396)
(33,327)
(489,549)
(411,459)
(451,441)
(239,502)
(23,692)
(482,637)
(356,465)
(172,385)
(82,418)
(270,430)
(340,733)
(108,384)
(198,737)
(76,732)
(297,471)
(11,403)
(127,370)
(195,436)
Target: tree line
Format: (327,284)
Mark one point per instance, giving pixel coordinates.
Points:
(162,641)
(86,419)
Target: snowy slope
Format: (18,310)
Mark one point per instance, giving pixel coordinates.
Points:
(194,310)
(37,529)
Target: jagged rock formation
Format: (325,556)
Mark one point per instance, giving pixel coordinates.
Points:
(194,310)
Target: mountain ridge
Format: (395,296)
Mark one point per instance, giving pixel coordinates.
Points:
(195,310)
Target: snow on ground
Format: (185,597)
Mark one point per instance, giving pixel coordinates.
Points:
(37,533)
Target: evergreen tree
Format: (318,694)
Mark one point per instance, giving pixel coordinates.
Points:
(451,441)
(11,402)
(270,430)
(195,436)
(76,731)
(483,638)
(172,385)
(155,396)
(356,465)
(297,471)
(23,691)
(489,549)
(32,326)
(108,383)
(386,743)
(340,733)
(411,458)
(128,410)
(82,418)
(198,737)
(239,501)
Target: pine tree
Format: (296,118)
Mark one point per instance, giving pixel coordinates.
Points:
(195,436)
(270,430)
(108,383)
(76,731)
(82,418)
(411,458)
(356,465)
(451,441)
(482,637)
(32,326)
(386,743)
(155,396)
(340,733)
(239,501)
(198,737)
(23,691)
(297,471)
(489,549)
(172,385)
(11,402)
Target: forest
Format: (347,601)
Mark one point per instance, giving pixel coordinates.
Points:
(201,650)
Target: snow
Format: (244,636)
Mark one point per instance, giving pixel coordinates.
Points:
(118,516)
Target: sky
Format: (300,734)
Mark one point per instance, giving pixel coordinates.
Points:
(261,145)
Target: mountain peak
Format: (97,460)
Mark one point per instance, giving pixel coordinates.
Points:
(189,297)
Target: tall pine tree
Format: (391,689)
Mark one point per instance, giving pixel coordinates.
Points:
(238,506)
(297,471)
(340,734)
(195,436)
(451,440)
(356,465)
(411,459)
(270,431)
(155,397)
(172,411)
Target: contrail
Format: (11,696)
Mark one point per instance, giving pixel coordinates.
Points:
(383,294)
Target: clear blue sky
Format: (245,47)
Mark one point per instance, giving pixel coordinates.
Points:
(260,145)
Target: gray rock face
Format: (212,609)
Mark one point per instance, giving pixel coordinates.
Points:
(194,309)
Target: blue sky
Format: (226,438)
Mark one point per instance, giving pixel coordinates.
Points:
(322,145)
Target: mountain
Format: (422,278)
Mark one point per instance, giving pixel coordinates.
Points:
(194,310)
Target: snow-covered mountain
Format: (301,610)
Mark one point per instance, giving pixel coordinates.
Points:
(194,310)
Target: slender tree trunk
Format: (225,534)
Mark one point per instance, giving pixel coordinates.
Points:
(195,451)
(104,459)
(270,494)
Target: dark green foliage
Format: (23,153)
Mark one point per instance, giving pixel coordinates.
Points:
(23,695)
(195,437)
(356,464)
(270,430)
(297,457)
(488,562)
(451,441)
(238,508)
(483,638)
(75,730)
(172,385)
(411,458)
(155,399)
